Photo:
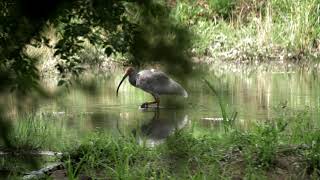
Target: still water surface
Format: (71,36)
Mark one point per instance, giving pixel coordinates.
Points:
(254,96)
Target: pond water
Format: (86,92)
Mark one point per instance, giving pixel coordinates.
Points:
(254,96)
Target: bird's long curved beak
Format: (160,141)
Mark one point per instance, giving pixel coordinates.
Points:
(124,77)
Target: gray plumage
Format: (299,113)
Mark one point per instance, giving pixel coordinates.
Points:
(156,83)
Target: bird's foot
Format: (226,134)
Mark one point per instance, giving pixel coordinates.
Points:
(144,105)
(150,105)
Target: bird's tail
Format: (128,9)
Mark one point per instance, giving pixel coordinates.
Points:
(184,94)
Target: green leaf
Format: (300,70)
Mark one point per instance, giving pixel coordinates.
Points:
(59,44)
(61,82)
(108,51)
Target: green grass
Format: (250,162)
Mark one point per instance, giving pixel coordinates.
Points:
(257,29)
(255,152)
(251,153)
(46,132)
(195,152)
(224,30)
(185,156)
(254,30)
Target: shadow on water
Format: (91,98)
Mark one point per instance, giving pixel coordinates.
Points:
(163,123)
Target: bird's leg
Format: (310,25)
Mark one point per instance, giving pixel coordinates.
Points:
(156,101)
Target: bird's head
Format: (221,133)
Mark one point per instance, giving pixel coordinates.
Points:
(128,72)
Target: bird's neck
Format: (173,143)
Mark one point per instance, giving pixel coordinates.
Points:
(132,78)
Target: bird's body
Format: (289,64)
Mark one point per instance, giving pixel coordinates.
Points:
(154,82)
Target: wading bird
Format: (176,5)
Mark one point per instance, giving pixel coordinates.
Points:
(154,82)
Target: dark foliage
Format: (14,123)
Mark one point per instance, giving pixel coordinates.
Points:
(152,38)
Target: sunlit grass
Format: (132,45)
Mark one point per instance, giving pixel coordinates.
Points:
(185,154)
(254,30)
(272,25)
(254,152)
(34,132)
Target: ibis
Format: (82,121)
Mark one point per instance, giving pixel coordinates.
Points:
(154,82)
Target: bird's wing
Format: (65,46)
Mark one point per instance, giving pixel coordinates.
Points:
(157,82)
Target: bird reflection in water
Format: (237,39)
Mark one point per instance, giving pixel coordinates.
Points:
(162,124)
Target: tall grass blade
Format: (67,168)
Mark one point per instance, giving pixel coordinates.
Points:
(228,122)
